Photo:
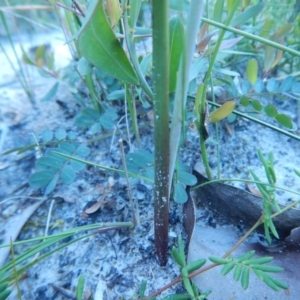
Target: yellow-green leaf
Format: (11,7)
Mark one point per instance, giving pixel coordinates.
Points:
(222,112)
(114,11)
(252,69)
(284,120)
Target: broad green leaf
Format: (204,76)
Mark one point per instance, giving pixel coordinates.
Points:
(244,101)
(179,5)
(72,135)
(83,150)
(252,69)
(180,194)
(116,95)
(256,105)
(247,14)
(51,186)
(287,84)
(296,88)
(186,178)
(218,11)
(142,158)
(134,9)
(51,93)
(40,179)
(106,121)
(259,86)
(84,67)
(100,46)
(245,278)
(272,85)
(68,147)
(48,163)
(60,134)
(222,112)
(176,32)
(77,165)
(284,120)
(198,66)
(47,135)
(271,111)
(68,174)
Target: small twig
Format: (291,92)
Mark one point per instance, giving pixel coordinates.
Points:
(78,7)
(74,11)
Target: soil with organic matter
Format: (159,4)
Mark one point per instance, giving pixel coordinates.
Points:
(116,262)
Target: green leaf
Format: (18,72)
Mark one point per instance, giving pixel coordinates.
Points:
(256,105)
(269,282)
(252,69)
(287,84)
(237,272)
(218,11)
(284,120)
(84,67)
(195,265)
(296,88)
(48,163)
(4,294)
(266,268)
(116,95)
(222,112)
(72,135)
(244,101)
(186,178)
(246,256)
(227,268)
(145,64)
(259,86)
(180,260)
(297,172)
(68,147)
(271,111)
(51,186)
(180,194)
(219,261)
(47,135)
(176,31)
(245,278)
(100,46)
(272,85)
(50,94)
(141,158)
(68,174)
(258,261)
(40,179)
(83,150)
(134,9)
(106,121)
(77,165)
(232,5)
(277,282)
(247,14)
(60,134)
(79,288)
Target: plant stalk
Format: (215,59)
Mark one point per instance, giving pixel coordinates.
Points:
(161,126)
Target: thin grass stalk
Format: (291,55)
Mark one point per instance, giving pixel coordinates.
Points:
(161,126)
(194,17)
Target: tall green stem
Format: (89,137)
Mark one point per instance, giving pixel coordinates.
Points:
(161,126)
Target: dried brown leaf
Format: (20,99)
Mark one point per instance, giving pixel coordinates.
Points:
(254,191)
